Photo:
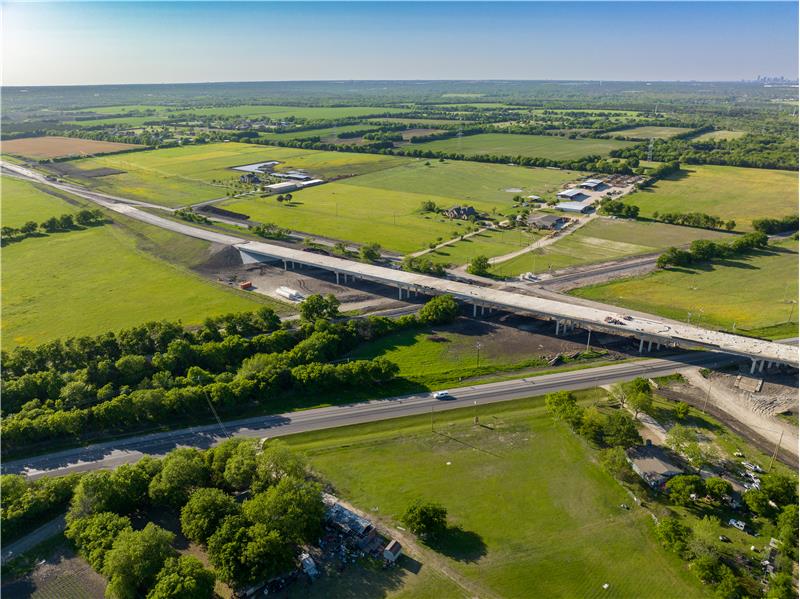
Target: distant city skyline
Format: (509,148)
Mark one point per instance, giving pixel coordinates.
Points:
(92,43)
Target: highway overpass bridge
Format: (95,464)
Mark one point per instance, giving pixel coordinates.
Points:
(649,331)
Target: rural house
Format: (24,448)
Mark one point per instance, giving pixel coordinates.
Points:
(461,212)
(549,222)
(249,178)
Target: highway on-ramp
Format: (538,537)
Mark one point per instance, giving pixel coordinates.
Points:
(110,454)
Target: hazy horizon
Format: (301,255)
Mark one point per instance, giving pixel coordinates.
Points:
(118,43)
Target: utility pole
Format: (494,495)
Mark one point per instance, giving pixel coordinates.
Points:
(589,340)
(775,453)
(478,354)
(708,395)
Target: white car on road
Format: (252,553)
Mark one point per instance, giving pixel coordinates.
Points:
(442,395)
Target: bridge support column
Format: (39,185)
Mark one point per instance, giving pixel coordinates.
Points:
(284,265)
(482,310)
(752,366)
(474,310)
(761,366)
(641,345)
(558,322)
(400,292)
(649,346)
(337,278)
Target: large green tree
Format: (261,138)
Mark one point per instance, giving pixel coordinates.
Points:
(204,512)
(183,578)
(183,469)
(426,519)
(94,535)
(293,507)
(274,462)
(135,558)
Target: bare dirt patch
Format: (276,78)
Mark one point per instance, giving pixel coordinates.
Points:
(43,148)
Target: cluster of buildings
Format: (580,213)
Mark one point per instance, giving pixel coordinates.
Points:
(360,531)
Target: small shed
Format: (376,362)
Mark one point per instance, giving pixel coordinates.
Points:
(392,551)
(282,187)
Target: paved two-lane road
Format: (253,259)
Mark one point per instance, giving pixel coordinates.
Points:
(113,453)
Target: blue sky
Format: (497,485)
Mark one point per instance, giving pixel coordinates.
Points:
(160,42)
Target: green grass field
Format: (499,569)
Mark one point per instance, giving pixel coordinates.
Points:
(532,146)
(729,192)
(652,132)
(537,516)
(179,176)
(327,132)
(104,278)
(750,291)
(491,243)
(603,240)
(721,134)
(444,356)
(23,202)
(384,205)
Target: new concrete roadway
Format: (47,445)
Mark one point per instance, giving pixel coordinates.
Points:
(110,454)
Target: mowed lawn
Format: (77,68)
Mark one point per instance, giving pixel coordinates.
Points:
(384,206)
(85,282)
(538,516)
(23,202)
(651,132)
(751,292)
(531,146)
(603,240)
(484,186)
(489,243)
(729,192)
(179,176)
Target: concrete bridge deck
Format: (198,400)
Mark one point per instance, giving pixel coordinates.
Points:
(648,330)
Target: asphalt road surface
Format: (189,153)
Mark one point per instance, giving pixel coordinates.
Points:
(114,453)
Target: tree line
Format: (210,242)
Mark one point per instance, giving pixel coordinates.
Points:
(705,250)
(771,226)
(161,373)
(54,224)
(699,220)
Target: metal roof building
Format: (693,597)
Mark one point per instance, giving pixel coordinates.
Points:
(579,207)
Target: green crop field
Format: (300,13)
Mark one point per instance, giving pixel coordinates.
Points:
(560,532)
(384,205)
(751,292)
(603,240)
(650,132)
(23,202)
(105,278)
(729,192)
(490,243)
(179,176)
(721,134)
(532,146)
